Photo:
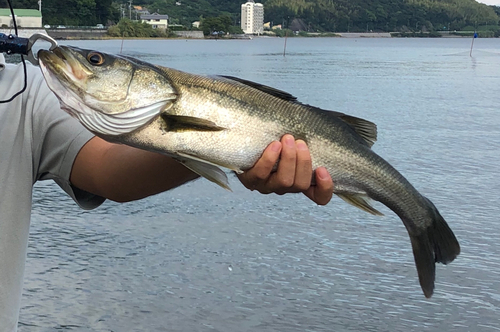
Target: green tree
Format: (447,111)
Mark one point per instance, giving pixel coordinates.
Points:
(70,12)
(129,28)
(104,11)
(218,24)
(321,15)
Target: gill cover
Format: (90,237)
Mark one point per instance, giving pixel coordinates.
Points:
(108,94)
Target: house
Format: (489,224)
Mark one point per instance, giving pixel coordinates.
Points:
(141,10)
(156,20)
(25,18)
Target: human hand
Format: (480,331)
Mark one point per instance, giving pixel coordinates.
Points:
(294,172)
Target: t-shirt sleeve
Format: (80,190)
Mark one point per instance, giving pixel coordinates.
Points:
(57,139)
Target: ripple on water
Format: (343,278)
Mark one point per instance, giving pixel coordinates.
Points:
(220,261)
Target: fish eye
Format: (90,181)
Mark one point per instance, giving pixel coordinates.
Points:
(95,58)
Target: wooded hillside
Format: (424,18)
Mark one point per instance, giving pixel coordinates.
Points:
(314,15)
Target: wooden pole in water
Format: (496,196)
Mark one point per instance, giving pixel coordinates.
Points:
(473,37)
(286,36)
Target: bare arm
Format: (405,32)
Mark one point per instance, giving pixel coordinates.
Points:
(122,173)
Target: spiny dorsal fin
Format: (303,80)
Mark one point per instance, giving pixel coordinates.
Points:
(187,123)
(264,88)
(360,201)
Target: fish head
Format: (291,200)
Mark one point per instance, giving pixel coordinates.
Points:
(109,94)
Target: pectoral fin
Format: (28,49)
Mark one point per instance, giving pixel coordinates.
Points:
(187,123)
(360,201)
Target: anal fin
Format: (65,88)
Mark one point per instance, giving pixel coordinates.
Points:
(360,201)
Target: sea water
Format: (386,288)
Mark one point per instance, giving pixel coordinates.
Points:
(199,258)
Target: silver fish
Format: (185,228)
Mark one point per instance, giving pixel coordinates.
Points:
(207,122)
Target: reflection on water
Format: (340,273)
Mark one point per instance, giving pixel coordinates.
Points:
(220,261)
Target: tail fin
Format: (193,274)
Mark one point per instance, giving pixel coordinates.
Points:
(436,244)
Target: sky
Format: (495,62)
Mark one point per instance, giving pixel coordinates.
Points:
(490,2)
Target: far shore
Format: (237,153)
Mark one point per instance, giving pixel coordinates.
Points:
(100,34)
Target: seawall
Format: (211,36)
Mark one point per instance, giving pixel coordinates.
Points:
(364,34)
(189,34)
(60,33)
(24,33)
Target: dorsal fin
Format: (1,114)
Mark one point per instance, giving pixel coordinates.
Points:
(364,128)
(264,88)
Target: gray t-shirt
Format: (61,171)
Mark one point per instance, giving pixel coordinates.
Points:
(38,141)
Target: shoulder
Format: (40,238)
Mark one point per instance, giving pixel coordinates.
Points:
(13,77)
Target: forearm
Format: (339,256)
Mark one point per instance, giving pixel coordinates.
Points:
(122,173)
(137,174)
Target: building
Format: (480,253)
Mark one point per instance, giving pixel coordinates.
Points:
(141,10)
(156,20)
(25,18)
(252,17)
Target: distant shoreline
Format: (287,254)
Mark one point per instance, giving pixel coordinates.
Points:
(100,34)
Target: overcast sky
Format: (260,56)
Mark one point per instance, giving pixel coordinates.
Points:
(490,2)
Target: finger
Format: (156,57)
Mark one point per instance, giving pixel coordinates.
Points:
(260,172)
(303,168)
(322,192)
(285,175)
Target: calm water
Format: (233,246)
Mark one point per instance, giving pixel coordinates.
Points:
(199,258)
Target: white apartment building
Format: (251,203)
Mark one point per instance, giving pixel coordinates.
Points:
(252,17)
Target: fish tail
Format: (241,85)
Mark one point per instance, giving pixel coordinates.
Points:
(435,244)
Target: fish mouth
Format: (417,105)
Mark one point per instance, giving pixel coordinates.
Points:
(62,63)
(66,76)
(70,66)
(58,74)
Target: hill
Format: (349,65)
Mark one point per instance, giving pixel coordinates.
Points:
(383,15)
(315,15)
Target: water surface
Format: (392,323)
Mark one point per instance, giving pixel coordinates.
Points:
(199,258)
